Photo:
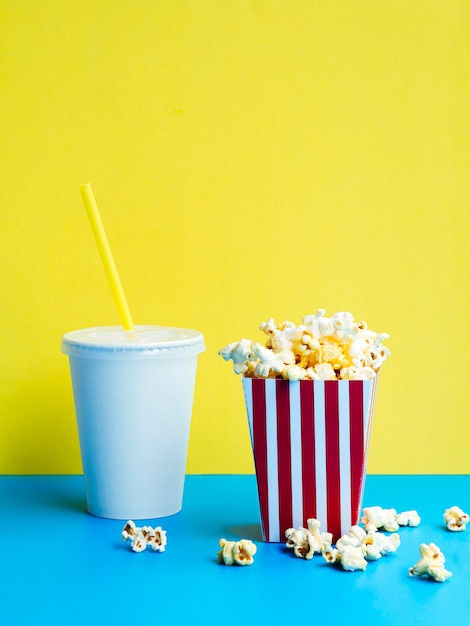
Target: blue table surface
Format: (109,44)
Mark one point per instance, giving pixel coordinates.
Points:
(60,565)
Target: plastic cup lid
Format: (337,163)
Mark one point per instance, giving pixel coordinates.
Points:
(143,341)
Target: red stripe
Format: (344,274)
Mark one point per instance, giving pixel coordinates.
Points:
(284,456)
(356,450)
(307,429)
(260,449)
(333,495)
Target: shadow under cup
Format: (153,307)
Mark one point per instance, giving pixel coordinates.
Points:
(133,395)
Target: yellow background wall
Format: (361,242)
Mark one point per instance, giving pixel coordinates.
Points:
(250,159)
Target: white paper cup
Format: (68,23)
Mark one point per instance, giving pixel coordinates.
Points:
(133,395)
(310,444)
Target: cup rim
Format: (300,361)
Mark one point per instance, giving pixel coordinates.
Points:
(145,340)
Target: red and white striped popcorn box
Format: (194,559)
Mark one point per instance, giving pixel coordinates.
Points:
(310,443)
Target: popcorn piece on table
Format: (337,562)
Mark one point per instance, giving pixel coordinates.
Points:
(456,519)
(236,552)
(129,531)
(301,541)
(358,546)
(308,541)
(322,539)
(408,518)
(430,564)
(140,538)
(350,557)
(376,517)
(158,540)
(377,544)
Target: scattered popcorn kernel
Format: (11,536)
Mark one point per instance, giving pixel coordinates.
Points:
(158,540)
(376,517)
(456,519)
(140,538)
(430,564)
(139,544)
(301,541)
(378,544)
(352,558)
(236,552)
(308,541)
(243,552)
(226,554)
(358,546)
(349,551)
(321,539)
(129,531)
(330,554)
(408,518)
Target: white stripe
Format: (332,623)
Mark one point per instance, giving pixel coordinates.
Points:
(320,452)
(344,455)
(368,402)
(296,454)
(271,442)
(248,391)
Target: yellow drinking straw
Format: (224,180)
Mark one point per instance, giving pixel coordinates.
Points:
(106,256)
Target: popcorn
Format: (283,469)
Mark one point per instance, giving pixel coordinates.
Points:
(129,531)
(430,564)
(376,517)
(240,352)
(352,551)
(321,371)
(269,362)
(377,544)
(301,540)
(352,558)
(140,538)
(456,519)
(348,554)
(320,348)
(236,552)
(408,518)
(357,372)
(358,546)
(294,373)
(322,539)
(308,541)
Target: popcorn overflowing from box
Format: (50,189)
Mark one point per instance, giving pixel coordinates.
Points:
(321,348)
(310,394)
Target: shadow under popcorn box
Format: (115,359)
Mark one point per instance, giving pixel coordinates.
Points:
(310,444)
